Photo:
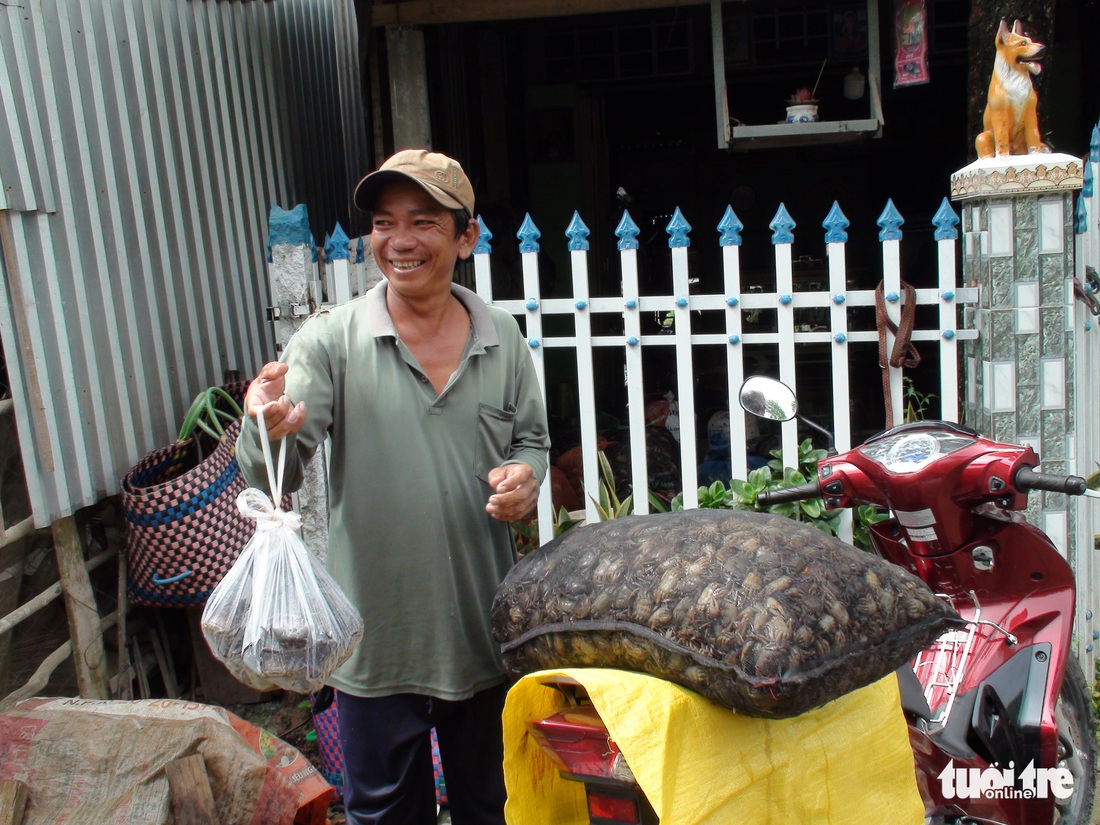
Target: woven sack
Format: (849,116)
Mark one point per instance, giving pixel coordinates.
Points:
(183,528)
(761,614)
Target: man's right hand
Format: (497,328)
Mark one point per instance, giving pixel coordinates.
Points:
(266,395)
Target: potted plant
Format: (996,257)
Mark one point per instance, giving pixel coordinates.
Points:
(802,106)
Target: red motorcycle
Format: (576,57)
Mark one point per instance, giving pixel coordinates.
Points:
(1000,716)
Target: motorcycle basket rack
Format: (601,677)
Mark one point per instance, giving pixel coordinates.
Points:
(942,666)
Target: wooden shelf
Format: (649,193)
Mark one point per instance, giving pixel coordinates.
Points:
(778,135)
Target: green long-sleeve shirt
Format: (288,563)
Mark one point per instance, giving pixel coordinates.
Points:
(410,542)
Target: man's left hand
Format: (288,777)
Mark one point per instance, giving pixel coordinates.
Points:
(515,492)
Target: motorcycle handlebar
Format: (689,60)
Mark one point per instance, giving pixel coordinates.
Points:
(781,495)
(1028,479)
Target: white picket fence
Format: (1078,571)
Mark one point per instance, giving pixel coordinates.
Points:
(345,278)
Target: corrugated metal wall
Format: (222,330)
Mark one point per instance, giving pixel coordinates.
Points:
(142,147)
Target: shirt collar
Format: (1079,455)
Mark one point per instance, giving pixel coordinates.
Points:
(382,324)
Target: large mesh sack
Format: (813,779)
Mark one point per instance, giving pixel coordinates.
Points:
(759,613)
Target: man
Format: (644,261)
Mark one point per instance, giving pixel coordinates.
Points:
(439,440)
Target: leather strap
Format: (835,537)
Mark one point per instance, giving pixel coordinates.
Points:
(904,353)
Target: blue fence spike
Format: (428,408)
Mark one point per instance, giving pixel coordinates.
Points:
(528,235)
(627,232)
(730,228)
(677,230)
(360,249)
(577,234)
(782,226)
(890,220)
(1094,144)
(945,220)
(337,245)
(1081,217)
(483,247)
(1086,186)
(835,223)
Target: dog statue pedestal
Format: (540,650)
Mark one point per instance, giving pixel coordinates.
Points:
(1018,174)
(1021,372)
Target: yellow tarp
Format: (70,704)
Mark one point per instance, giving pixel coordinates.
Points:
(700,764)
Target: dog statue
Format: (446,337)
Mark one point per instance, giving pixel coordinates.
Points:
(1011,121)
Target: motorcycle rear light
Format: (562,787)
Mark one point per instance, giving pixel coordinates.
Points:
(577,742)
(619,810)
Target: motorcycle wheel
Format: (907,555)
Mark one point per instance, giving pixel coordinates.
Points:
(1076,746)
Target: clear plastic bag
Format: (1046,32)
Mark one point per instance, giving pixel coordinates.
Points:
(278,619)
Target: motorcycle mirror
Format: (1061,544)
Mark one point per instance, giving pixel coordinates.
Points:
(768,398)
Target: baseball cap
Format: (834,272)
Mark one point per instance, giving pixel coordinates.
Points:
(440,176)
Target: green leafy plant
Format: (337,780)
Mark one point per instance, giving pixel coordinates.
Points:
(744,495)
(609,506)
(527,532)
(916,402)
(1096,696)
(863,517)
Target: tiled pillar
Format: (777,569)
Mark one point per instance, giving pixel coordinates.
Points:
(1018,249)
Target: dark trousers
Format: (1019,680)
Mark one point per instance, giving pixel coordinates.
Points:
(386,743)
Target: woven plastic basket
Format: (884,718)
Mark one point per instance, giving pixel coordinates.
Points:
(183,528)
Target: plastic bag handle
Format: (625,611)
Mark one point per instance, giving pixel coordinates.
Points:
(275,483)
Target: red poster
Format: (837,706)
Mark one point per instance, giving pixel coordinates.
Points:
(911,35)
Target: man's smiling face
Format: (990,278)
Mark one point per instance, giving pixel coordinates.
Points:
(413,240)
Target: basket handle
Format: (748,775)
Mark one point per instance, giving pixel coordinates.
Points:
(162,582)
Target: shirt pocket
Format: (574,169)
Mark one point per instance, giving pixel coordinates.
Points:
(494,438)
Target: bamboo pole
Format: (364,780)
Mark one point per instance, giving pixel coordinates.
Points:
(89,658)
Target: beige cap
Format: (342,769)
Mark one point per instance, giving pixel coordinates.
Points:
(440,176)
